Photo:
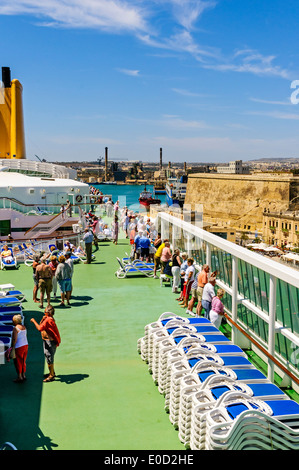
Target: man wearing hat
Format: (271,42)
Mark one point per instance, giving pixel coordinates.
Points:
(88,239)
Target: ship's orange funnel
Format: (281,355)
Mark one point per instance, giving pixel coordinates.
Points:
(12,134)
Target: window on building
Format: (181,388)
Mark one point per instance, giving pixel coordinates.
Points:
(4,228)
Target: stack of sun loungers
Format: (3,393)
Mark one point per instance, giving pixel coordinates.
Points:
(135,267)
(215,396)
(10,305)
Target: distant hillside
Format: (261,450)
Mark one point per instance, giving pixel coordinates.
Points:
(281,160)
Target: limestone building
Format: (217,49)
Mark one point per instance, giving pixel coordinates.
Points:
(281,228)
(236,168)
(239,201)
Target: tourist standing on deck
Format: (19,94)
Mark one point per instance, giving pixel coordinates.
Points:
(126,222)
(189,278)
(68,209)
(88,239)
(70,262)
(184,266)
(20,343)
(53,265)
(165,256)
(43,275)
(64,278)
(217,310)
(157,241)
(133,233)
(35,288)
(202,280)
(175,269)
(137,245)
(51,339)
(95,227)
(115,230)
(144,243)
(208,294)
(157,256)
(109,207)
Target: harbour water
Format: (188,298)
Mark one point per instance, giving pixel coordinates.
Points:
(127,194)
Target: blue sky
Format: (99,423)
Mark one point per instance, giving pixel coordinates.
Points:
(208,81)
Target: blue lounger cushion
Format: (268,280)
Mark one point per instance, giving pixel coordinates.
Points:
(258,389)
(5,340)
(6,319)
(228,361)
(199,321)
(199,329)
(228,349)
(216,338)
(4,329)
(284,407)
(191,321)
(208,338)
(242,374)
(278,407)
(236,409)
(10,310)
(14,292)
(9,300)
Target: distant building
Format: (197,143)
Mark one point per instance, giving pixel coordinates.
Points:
(281,228)
(235,168)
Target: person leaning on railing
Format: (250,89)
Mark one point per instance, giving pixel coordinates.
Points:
(217,308)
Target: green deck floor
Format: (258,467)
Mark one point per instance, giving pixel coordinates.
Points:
(104,397)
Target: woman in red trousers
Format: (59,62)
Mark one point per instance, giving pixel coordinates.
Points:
(20,343)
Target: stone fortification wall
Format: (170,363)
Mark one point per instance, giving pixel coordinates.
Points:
(238,200)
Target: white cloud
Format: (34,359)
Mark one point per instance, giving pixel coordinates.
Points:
(272,102)
(175,122)
(249,61)
(188,12)
(189,93)
(131,73)
(142,18)
(180,42)
(101,14)
(276,115)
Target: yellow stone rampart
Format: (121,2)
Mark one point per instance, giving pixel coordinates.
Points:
(240,200)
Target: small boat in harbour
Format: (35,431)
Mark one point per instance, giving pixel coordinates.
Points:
(146,198)
(159,188)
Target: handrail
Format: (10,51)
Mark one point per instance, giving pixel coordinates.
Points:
(263,350)
(42,222)
(26,205)
(270,266)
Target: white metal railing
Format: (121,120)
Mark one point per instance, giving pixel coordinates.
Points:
(175,229)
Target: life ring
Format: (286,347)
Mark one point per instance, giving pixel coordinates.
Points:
(79,198)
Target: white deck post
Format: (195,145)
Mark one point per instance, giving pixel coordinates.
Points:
(208,254)
(271,332)
(234,297)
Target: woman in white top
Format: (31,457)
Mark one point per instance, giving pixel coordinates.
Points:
(189,278)
(20,343)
